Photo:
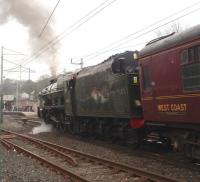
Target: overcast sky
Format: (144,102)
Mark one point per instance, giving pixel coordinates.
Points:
(120,19)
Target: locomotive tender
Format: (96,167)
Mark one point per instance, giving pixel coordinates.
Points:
(102,99)
(107,99)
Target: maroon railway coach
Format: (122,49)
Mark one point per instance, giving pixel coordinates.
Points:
(170,89)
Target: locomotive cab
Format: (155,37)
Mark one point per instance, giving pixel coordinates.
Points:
(122,65)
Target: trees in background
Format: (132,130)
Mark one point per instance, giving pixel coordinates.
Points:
(175,27)
(10,85)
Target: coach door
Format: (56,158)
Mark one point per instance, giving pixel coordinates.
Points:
(147,87)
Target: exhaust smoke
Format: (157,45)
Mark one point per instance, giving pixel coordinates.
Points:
(33,16)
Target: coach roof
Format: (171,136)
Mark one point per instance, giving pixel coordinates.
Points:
(171,41)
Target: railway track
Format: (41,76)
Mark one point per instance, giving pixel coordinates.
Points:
(76,165)
(155,152)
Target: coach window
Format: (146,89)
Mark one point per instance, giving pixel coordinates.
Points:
(192,56)
(184,57)
(191,69)
(198,53)
(146,78)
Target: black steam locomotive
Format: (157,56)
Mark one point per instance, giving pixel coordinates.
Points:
(99,100)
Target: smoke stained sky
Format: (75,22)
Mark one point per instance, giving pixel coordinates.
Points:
(22,20)
(31,15)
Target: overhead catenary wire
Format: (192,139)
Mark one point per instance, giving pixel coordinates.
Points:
(132,46)
(64,34)
(16,52)
(145,28)
(49,18)
(114,49)
(17,71)
(149,31)
(11,69)
(13,53)
(18,66)
(14,63)
(132,33)
(70,29)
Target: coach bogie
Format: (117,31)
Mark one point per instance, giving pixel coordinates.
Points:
(192,145)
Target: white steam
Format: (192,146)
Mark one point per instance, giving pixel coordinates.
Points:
(33,16)
(42,129)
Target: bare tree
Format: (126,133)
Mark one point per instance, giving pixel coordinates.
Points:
(175,27)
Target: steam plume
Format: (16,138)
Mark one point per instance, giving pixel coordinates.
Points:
(41,129)
(32,16)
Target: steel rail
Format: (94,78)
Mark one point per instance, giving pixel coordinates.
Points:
(145,175)
(7,146)
(57,168)
(68,158)
(148,176)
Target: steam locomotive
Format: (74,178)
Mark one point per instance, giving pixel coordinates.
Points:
(134,96)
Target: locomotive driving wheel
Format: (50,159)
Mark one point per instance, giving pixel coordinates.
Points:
(46,117)
(133,138)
